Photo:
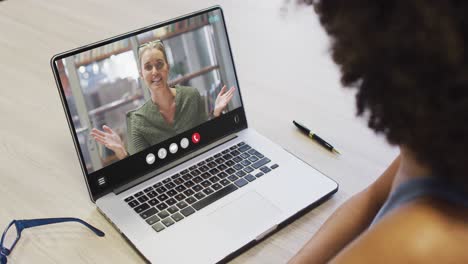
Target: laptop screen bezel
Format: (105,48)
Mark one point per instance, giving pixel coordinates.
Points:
(117,174)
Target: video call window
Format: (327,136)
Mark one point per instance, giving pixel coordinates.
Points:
(131,94)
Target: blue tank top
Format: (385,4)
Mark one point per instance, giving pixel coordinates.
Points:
(426,186)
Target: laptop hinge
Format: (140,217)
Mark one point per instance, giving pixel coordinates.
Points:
(173,164)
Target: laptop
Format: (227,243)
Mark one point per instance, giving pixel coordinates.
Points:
(197,186)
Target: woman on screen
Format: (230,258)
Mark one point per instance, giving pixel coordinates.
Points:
(170,111)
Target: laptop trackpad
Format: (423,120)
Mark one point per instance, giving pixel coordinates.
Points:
(246,214)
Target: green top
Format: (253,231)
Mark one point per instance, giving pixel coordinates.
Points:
(147,127)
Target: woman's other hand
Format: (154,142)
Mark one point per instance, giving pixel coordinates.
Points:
(222,100)
(110,140)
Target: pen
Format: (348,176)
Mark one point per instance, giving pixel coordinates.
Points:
(315,137)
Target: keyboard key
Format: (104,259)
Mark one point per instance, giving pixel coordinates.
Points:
(246,162)
(178,181)
(230,171)
(219,160)
(187,211)
(152,194)
(180,188)
(222,167)
(259,155)
(152,220)
(250,177)
(161,190)
(190,200)
(187,177)
(138,194)
(235,153)
(184,172)
(143,198)
(274,166)
(265,169)
(244,155)
(209,159)
(159,184)
(244,148)
(203,168)
(208,191)
(193,167)
(238,167)
(251,151)
(227,157)
(158,227)
(161,206)
(206,183)
(171,193)
(224,182)
(199,195)
(225,151)
(214,197)
(214,179)
(172,209)
(170,185)
(240,173)
(168,222)
(214,171)
(171,201)
(248,169)
(189,184)
(241,144)
(153,202)
(212,165)
(189,192)
(133,203)
(180,197)
(141,208)
(166,180)
(181,204)
(222,175)
(217,155)
(177,217)
(162,197)
(260,163)
(237,159)
(216,186)
(148,189)
(163,214)
(229,163)
(175,176)
(197,188)
(201,163)
(253,158)
(195,172)
(241,182)
(206,175)
(148,213)
(258,175)
(197,179)
(233,147)
(233,178)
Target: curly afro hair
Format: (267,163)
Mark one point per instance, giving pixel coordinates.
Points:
(408,61)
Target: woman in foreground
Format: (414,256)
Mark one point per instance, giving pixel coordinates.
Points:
(409,63)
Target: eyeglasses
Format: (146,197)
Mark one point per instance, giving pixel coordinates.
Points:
(7,247)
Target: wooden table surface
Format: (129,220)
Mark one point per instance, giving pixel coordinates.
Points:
(285,73)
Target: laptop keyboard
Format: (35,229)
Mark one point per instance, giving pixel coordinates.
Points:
(196,187)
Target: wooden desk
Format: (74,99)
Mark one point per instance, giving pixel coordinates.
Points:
(284,73)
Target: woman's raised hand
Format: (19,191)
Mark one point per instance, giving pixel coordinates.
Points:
(223,99)
(110,140)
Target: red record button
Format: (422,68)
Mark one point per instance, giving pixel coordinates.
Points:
(195,138)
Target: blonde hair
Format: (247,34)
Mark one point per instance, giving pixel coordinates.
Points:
(155,44)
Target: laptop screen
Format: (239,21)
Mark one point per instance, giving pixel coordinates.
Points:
(141,100)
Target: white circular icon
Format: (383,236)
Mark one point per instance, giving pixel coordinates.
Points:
(173,148)
(184,143)
(162,153)
(150,158)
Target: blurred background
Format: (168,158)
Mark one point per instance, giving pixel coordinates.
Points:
(101,85)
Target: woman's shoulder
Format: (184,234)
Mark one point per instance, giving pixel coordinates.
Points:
(187,91)
(425,230)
